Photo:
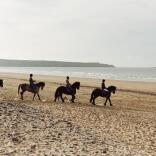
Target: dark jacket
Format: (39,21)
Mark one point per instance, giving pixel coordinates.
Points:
(31,81)
(68,83)
(103,86)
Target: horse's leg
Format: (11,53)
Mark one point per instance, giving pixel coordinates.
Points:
(56,98)
(110,102)
(38,96)
(94,100)
(34,96)
(105,101)
(73,98)
(62,98)
(22,95)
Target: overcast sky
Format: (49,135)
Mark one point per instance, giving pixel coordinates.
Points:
(118,32)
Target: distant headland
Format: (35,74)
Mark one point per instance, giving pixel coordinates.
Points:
(40,63)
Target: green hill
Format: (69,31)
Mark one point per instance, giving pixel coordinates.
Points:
(32,63)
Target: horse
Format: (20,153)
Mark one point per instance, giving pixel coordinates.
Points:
(1,83)
(68,91)
(99,92)
(26,87)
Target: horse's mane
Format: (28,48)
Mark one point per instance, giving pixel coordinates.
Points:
(76,82)
(41,83)
(114,87)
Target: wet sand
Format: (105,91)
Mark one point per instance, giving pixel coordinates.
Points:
(48,128)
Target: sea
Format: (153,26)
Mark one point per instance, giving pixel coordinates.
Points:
(127,74)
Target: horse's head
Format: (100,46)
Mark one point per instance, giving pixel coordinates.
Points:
(76,85)
(41,84)
(112,89)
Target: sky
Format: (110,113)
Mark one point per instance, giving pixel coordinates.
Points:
(118,32)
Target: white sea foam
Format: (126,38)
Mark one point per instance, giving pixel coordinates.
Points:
(130,74)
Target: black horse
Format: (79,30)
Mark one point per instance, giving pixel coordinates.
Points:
(1,83)
(68,91)
(98,92)
(26,87)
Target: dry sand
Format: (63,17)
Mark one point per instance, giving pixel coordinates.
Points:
(48,128)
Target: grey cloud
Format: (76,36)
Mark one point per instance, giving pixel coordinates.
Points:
(67,30)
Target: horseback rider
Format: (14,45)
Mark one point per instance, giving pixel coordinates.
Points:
(67,82)
(31,81)
(103,87)
(68,85)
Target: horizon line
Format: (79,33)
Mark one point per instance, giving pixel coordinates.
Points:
(12,59)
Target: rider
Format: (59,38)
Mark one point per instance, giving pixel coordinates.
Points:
(103,87)
(68,85)
(31,81)
(103,84)
(67,82)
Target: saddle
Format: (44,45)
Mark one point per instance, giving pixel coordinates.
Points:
(32,86)
(69,89)
(104,92)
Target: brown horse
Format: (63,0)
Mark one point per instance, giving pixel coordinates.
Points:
(26,87)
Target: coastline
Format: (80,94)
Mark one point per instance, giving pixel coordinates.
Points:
(123,74)
(122,85)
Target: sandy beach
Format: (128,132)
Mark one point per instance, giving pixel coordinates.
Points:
(47,128)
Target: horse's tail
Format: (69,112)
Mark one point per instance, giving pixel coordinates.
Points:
(92,95)
(19,87)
